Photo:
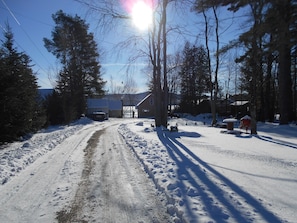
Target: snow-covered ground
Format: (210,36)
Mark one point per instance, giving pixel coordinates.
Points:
(210,176)
(206,175)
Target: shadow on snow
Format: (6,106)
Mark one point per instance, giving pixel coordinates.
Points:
(194,169)
(276,141)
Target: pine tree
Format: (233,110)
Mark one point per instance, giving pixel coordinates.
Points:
(53,106)
(76,50)
(194,79)
(19,113)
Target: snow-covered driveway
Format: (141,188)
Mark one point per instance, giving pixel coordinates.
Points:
(118,188)
(89,176)
(85,172)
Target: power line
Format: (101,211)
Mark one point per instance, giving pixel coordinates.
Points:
(28,17)
(17,21)
(11,13)
(4,30)
(25,51)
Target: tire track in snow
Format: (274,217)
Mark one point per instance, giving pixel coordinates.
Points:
(121,191)
(113,186)
(75,210)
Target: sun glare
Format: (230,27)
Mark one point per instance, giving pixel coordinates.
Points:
(142,15)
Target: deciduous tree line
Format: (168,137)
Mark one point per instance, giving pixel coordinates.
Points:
(268,64)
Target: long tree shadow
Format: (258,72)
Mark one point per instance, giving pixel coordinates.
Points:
(277,141)
(186,167)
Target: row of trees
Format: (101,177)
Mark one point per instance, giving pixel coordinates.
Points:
(267,65)
(20,109)
(269,43)
(111,16)
(193,76)
(265,73)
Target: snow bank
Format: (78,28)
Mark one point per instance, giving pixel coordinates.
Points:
(15,157)
(156,163)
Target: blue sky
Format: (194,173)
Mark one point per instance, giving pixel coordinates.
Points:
(31,21)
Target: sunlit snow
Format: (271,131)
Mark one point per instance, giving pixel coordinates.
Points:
(206,175)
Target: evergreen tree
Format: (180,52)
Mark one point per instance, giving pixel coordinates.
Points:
(194,78)
(76,50)
(53,106)
(19,112)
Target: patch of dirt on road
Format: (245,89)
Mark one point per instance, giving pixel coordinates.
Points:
(72,213)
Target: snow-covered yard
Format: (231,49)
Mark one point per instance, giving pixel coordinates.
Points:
(210,176)
(206,175)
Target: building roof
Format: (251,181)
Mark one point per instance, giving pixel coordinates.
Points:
(115,104)
(239,103)
(104,103)
(97,103)
(145,98)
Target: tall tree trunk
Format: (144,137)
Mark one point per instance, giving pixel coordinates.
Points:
(255,68)
(269,102)
(165,84)
(295,87)
(285,82)
(157,75)
(216,83)
(212,103)
(154,58)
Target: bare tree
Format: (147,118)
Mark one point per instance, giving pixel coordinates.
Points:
(214,84)
(115,87)
(129,90)
(173,68)
(206,33)
(154,44)
(157,54)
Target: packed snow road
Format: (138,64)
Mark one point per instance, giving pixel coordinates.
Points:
(84,172)
(90,177)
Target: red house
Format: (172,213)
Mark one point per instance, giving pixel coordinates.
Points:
(146,107)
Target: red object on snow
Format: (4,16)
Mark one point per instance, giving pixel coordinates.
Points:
(245,122)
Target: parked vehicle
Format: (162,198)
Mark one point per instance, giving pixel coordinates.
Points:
(99,116)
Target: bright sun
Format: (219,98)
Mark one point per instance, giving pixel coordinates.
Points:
(142,15)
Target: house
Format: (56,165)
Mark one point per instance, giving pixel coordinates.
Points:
(240,108)
(112,108)
(204,107)
(225,107)
(146,107)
